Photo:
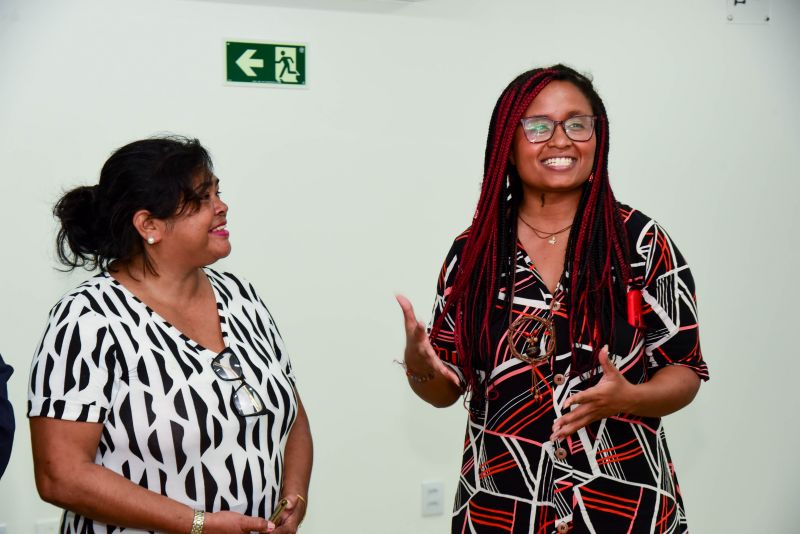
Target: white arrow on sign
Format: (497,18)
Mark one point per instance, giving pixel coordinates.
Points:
(247,63)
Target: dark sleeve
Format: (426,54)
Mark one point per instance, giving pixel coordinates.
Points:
(444,342)
(669,304)
(6,417)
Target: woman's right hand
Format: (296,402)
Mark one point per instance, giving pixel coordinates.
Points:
(234,523)
(420,358)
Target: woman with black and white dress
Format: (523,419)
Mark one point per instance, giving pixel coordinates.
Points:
(161,396)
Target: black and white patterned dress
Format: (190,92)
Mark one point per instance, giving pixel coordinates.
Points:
(168,422)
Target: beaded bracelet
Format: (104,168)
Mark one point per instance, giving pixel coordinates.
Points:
(414,377)
(197,522)
(419,378)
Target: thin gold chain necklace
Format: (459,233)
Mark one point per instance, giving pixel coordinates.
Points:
(550,236)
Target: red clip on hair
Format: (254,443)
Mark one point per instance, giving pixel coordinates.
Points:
(635,308)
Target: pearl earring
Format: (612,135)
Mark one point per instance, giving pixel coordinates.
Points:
(151,240)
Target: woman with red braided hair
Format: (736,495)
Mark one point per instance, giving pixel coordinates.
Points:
(568,322)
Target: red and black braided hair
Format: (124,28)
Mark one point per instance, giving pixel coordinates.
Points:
(596,261)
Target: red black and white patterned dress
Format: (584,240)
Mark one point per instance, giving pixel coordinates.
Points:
(616,474)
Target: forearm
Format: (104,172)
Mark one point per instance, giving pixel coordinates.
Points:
(669,390)
(105,496)
(298,457)
(438,391)
(66,475)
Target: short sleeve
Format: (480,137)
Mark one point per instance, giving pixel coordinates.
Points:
(74,374)
(444,342)
(669,307)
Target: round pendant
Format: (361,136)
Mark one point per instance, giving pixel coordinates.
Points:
(532,351)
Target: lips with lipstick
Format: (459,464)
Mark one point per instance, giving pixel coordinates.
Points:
(220,231)
(559,163)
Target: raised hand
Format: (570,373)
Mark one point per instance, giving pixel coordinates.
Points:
(611,395)
(420,357)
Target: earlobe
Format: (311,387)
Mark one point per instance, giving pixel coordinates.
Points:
(147,226)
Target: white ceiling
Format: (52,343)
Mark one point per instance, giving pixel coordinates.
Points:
(362,6)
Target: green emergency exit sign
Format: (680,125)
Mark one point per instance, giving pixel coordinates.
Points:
(275,63)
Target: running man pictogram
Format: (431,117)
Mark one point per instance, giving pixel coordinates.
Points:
(287,62)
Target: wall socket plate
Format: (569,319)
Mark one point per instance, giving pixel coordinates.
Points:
(432,498)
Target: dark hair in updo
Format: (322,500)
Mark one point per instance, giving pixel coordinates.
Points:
(166,176)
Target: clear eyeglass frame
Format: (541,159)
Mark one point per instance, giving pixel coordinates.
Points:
(538,129)
(245,400)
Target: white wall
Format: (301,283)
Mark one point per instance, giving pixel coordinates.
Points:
(351,189)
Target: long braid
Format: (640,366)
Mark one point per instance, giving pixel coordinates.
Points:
(480,266)
(597,256)
(596,252)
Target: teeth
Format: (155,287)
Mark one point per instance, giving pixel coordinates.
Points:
(558,162)
(218,228)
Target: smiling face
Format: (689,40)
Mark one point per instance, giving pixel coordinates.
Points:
(560,164)
(199,237)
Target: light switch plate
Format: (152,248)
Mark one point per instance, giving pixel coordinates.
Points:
(432,498)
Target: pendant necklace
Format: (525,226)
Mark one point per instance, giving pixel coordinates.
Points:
(550,236)
(536,331)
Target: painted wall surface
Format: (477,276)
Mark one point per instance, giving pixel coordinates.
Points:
(352,188)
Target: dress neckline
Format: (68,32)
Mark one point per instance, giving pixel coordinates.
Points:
(220,305)
(531,266)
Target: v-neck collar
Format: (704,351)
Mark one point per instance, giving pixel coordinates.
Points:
(220,305)
(526,261)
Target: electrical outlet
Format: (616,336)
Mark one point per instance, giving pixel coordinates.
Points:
(432,498)
(47,526)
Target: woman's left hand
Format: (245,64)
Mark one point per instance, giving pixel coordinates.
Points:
(292,516)
(613,394)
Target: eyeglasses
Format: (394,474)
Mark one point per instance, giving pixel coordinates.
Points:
(540,129)
(245,399)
